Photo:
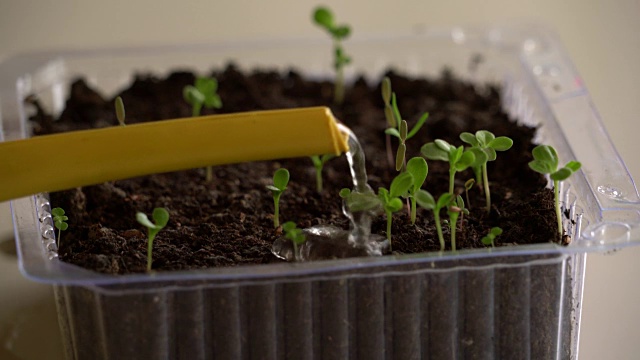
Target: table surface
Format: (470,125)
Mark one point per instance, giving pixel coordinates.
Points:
(602,38)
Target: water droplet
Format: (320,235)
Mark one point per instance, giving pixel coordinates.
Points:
(553,70)
(537,70)
(46,219)
(325,242)
(43,205)
(47,232)
(51,246)
(609,231)
(530,45)
(611,192)
(458,35)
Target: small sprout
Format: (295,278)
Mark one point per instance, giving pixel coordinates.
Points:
(323,17)
(390,199)
(468,185)
(490,238)
(545,161)
(397,126)
(463,210)
(202,93)
(484,145)
(161,218)
(120,114)
(454,212)
(426,200)
(458,158)
(280,181)
(296,236)
(387,94)
(419,169)
(318,164)
(59,221)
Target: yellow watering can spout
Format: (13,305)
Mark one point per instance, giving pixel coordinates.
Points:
(64,161)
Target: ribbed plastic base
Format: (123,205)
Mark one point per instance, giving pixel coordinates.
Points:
(514,308)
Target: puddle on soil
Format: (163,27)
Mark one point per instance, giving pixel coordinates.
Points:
(330,242)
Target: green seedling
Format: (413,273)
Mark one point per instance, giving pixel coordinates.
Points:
(161,218)
(490,238)
(318,164)
(296,236)
(59,221)
(468,185)
(203,93)
(360,201)
(419,169)
(459,159)
(323,17)
(390,199)
(280,181)
(120,114)
(426,201)
(484,145)
(545,161)
(397,126)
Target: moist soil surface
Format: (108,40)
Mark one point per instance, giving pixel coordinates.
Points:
(229,220)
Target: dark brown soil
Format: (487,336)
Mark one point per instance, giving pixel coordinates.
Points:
(228,221)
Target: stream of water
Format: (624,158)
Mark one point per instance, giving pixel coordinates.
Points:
(330,242)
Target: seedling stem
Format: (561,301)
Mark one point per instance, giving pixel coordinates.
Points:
(397,126)
(323,17)
(296,236)
(59,221)
(485,184)
(203,93)
(419,169)
(484,146)
(454,213)
(318,164)
(545,161)
(280,181)
(427,201)
(390,199)
(468,185)
(161,218)
(459,159)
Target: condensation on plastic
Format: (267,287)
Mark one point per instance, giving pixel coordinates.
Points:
(313,310)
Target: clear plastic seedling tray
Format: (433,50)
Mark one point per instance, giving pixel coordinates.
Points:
(510,302)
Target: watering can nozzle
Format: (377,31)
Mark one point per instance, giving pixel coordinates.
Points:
(79,158)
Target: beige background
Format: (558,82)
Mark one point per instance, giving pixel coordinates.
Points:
(602,38)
